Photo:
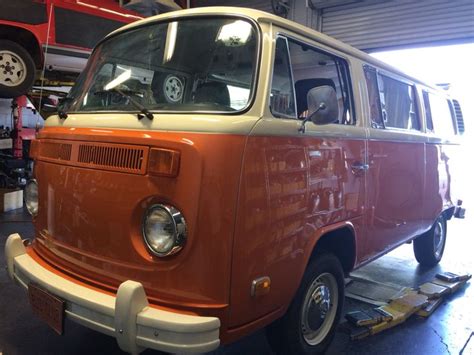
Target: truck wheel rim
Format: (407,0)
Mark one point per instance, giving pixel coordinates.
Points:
(173,88)
(319,309)
(438,239)
(12,69)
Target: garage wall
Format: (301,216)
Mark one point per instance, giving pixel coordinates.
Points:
(400,23)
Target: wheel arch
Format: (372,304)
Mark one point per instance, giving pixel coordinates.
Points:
(339,241)
(26,39)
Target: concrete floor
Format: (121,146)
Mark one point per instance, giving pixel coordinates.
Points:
(447,331)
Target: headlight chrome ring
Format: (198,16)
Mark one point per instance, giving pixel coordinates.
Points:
(31,197)
(164,230)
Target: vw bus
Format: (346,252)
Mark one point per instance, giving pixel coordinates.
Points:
(219,170)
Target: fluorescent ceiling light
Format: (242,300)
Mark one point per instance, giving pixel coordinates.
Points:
(235,33)
(170,41)
(119,80)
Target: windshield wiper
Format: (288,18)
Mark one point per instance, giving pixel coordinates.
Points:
(143,110)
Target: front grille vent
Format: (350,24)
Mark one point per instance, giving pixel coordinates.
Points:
(104,156)
(56,151)
(127,159)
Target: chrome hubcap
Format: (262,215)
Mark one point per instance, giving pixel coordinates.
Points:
(12,69)
(439,236)
(322,297)
(319,309)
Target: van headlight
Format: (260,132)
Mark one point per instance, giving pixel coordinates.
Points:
(164,230)
(31,197)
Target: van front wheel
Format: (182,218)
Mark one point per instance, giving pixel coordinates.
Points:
(429,247)
(310,323)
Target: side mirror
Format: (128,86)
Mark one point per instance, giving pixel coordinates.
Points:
(322,105)
(49,108)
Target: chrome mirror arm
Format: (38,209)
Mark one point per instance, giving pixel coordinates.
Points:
(302,128)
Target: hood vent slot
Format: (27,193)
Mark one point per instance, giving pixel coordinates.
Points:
(104,156)
(56,151)
(115,157)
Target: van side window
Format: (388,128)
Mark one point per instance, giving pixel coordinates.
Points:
(442,114)
(398,104)
(374,98)
(429,118)
(282,97)
(312,68)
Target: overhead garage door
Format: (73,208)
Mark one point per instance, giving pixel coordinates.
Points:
(377,25)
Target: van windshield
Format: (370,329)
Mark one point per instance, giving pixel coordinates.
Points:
(201,64)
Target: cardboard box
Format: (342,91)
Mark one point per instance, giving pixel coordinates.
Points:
(10,199)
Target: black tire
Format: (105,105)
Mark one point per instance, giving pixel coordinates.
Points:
(429,247)
(16,77)
(289,334)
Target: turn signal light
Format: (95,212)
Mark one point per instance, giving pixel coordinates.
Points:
(260,286)
(163,162)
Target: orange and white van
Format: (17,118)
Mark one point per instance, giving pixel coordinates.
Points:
(218,170)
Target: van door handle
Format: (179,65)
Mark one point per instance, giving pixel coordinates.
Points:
(359,167)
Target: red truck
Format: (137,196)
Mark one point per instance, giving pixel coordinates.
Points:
(57,35)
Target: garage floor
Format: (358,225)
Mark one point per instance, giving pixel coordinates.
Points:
(447,331)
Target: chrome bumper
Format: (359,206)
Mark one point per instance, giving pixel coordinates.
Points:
(127,316)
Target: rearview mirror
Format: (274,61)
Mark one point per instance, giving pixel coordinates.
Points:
(322,105)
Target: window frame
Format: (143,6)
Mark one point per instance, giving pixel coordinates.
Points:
(280,115)
(416,100)
(372,123)
(255,74)
(442,96)
(426,101)
(328,52)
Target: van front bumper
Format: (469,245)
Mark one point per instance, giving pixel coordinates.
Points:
(125,316)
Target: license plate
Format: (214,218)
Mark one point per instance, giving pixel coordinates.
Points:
(48,307)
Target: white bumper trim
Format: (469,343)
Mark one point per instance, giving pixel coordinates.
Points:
(127,317)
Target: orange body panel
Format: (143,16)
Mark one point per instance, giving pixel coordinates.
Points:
(395,185)
(89,221)
(437,195)
(291,188)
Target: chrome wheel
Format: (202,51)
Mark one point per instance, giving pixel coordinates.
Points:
(173,88)
(439,235)
(12,69)
(319,309)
